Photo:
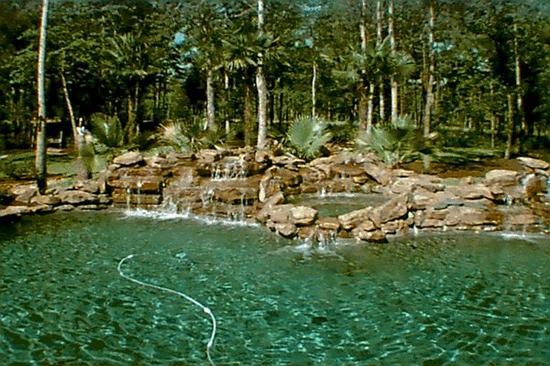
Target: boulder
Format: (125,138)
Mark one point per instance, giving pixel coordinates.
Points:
(328,223)
(534,163)
(408,184)
(14,211)
(303,215)
(391,210)
(468,216)
(286,230)
(77,197)
(351,219)
(471,191)
(502,178)
(430,218)
(397,226)
(533,184)
(46,200)
(287,178)
(128,159)
(367,235)
(264,214)
(378,173)
(280,213)
(209,156)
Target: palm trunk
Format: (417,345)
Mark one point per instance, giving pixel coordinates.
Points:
(364,100)
(381,97)
(511,128)
(248,116)
(70,110)
(261,86)
(370,106)
(40,154)
(431,73)
(393,82)
(519,93)
(314,91)
(210,107)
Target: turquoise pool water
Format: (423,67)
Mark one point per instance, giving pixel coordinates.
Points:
(461,299)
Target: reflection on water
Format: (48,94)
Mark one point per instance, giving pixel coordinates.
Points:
(461,299)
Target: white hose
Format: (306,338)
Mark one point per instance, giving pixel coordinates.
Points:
(181,294)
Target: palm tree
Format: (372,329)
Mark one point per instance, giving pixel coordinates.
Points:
(240,56)
(40,157)
(261,84)
(128,56)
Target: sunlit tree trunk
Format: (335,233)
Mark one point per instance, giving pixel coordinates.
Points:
(365,99)
(519,92)
(314,91)
(393,82)
(381,97)
(511,128)
(69,109)
(261,86)
(210,107)
(248,115)
(40,154)
(428,108)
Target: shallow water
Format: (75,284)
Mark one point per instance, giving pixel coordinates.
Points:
(462,299)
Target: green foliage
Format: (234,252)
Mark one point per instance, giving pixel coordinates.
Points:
(107,130)
(306,136)
(174,135)
(395,143)
(342,131)
(191,136)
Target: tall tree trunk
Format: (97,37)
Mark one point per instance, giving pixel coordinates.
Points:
(70,110)
(381,97)
(314,91)
(431,73)
(130,125)
(261,86)
(40,154)
(363,98)
(248,116)
(393,82)
(370,106)
(511,128)
(519,92)
(210,107)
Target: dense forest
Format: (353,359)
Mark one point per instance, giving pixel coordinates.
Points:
(476,73)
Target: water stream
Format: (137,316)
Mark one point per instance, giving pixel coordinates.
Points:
(455,299)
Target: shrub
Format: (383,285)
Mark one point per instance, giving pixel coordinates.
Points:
(394,143)
(306,136)
(107,130)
